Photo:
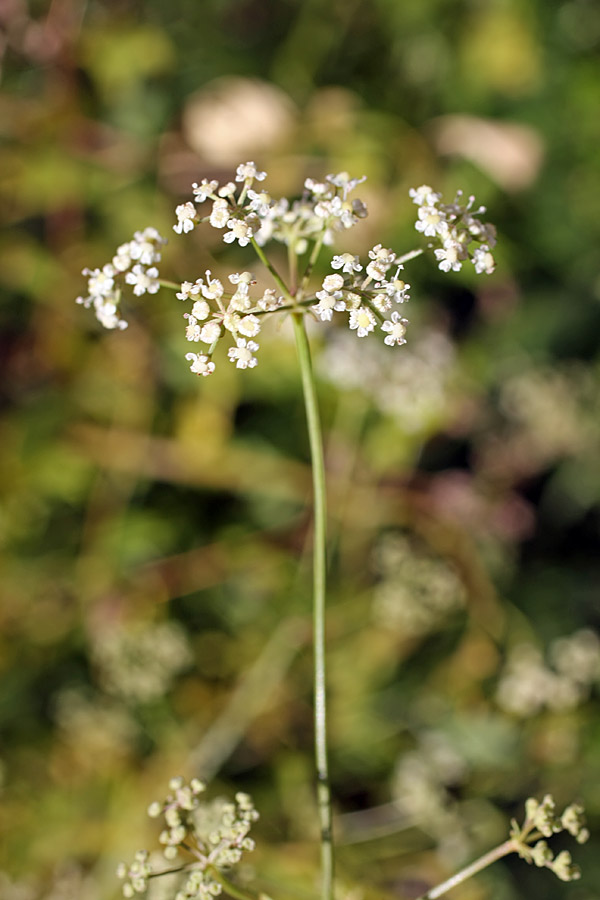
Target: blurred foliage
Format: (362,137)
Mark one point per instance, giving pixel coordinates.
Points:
(155,604)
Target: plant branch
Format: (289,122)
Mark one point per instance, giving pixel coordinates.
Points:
(483,862)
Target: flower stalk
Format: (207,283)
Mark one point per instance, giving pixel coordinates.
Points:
(319,594)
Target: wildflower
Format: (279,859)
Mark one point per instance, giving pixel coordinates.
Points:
(143,280)
(327,304)
(395,328)
(241,354)
(200,365)
(210,332)
(249,326)
(186,218)
(483,260)
(333,283)
(101,282)
(248,172)
(240,231)
(362,321)
(219,216)
(347,262)
(201,309)
(204,190)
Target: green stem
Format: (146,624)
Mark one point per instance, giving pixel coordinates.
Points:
(276,276)
(319,581)
(483,862)
(412,254)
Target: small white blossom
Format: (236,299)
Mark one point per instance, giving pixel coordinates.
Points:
(343,181)
(240,231)
(430,221)
(269,300)
(143,280)
(333,283)
(316,187)
(200,365)
(260,202)
(219,216)
(210,332)
(213,288)
(328,303)
(192,330)
(362,321)
(248,171)
(347,262)
(450,256)
(395,328)
(122,258)
(200,309)
(249,326)
(204,190)
(483,260)
(241,354)
(186,217)
(424,195)
(101,282)
(188,289)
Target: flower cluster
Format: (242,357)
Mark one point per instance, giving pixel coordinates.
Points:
(214,834)
(135,263)
(541,821)
(246,214)
(366,298)
(456,227)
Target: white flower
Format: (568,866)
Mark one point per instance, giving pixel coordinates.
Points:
(362,321)
(204,189)
(260,202)
(143,280)
(201,365)
(450,256)
(122,258)
(240,232)
(241,354)
(101,282)
(145,246)
(249,326)
(430,222)
(210,332)
(347,262)
(192,330)
(200,309)
(213,289)
(328,303)
(228,190)
(270,300)
(107,313)
(396,289)
(333,283)
(186,215)
(396,328)
(248,171)
(381,260)
(316,187)
(231,321)
(343,181)
(220,214)
(188,289)
(424,195)
(483,260)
